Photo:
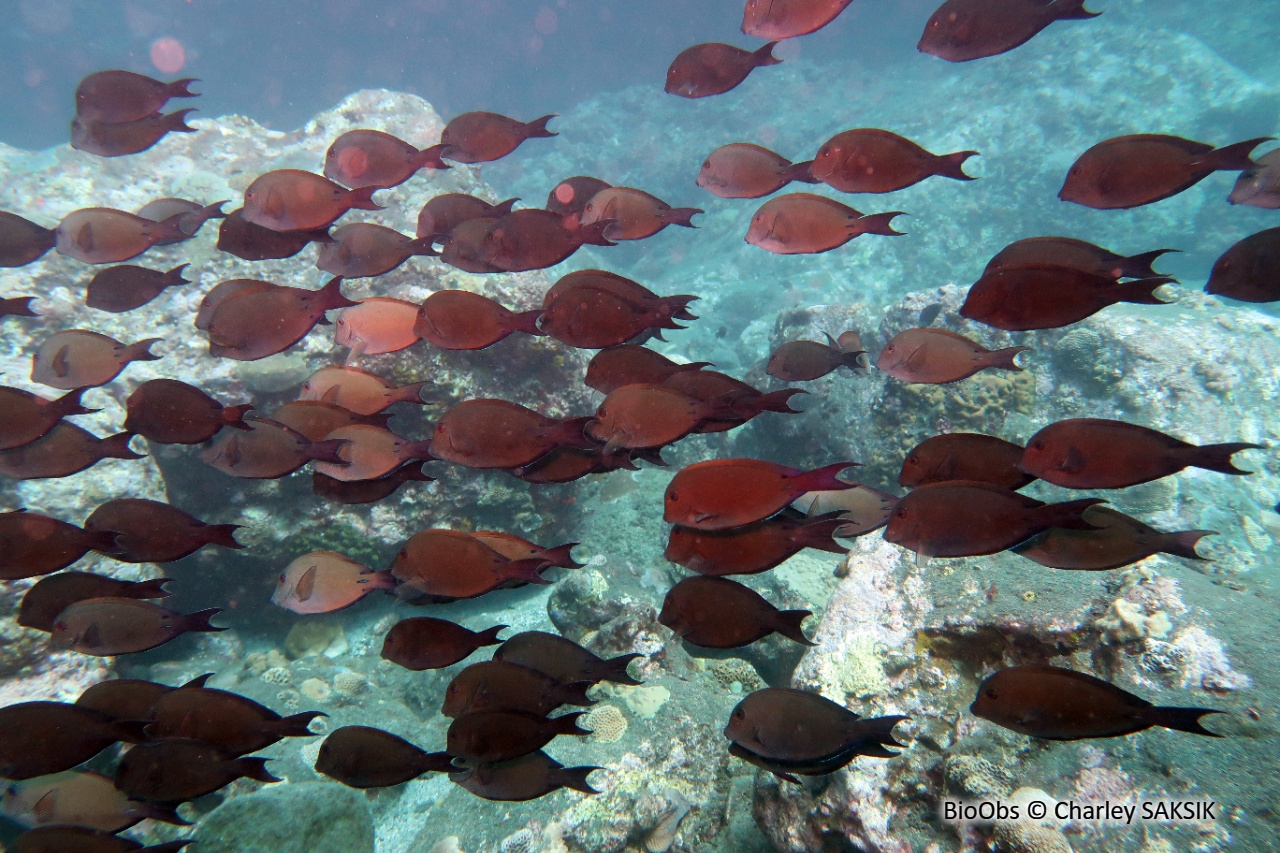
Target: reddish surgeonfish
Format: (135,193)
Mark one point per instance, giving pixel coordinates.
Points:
(153,532)
(377,325)
(961,30)
(167,411)
(1119,540)
(804,224)
(102,235)
(639,416)
(130,137)
(803,361)
(367,491)
(1075,254)
(325,581)
(78,358)
(256,322)
(358,390)
(243,239)
(479,137)
(267,451)
(363,249)
(120,96)
(1023,298)
(498,684)
(731,396)
(563,659)
(718,613)
(534,239)
(937,356)
(124,288)
(422,642)
(595,309)
(570,196)
(315,418)
(77,798)
(445,565)
(365,757)
(222,719)
(464,246)
(964,456)
(714,68)
(442,214)
(50,596)
(294,200)
(869,160)
(371,158)
(1130,171)
(628,364)
(526,778)
(23,242)
(633,214)
(1258,186)
(370,452)
(62,451)
(754,548)
(492,433)
(193,215)
(744,170)
(461,320)
(25,417)
(116,626)
(784,19)
(1250,270)
(964,518)
(722,493)
(32,544)
(566,464)
(1093,453)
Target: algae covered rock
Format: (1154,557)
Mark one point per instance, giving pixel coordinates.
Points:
(306,817)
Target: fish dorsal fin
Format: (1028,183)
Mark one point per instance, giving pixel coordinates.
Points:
(306,585)
(58,364)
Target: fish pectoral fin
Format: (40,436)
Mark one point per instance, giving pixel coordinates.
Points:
(45,807)
(916,360)
(705,516)
(1074,461)
(306,585)
(92,637)
(58,364)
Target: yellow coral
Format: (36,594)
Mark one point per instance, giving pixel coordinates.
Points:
(606,722)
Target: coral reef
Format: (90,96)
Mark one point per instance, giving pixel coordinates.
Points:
(606,722)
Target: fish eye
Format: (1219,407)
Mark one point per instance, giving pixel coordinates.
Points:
(1038,444)
(675,496)
(250,193)
(59,626)
(991,693)
(913,460)
(706,164)
(738,713)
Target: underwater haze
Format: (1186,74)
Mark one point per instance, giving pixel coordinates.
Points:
(585,427)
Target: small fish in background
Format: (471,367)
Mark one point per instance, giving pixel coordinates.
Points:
(325,582)
(754,548)
(465,245)
(78,358)
(928,314)
(570,196)
(64,450)
(803,361)
(714,68)
(784,19)
(180,769)
(369,452)
(462,320)
(493,433)
(526,778)
(717,613)
(1130,171)
(634,214)
(121,96)
(564,660)
(194,215)
(862,508)
(258,321)
(364,249)
(49,596)
(27,417)
(565,464)
(367,491)
(422,642)
(149,531)
(133,137)
(440,565)
(722,493)
(372,158)
(1118,541)
(377,325)
(500,685)
(442,213)
(240,237)
(294,200)
(534,239)
(480,737)
(1053,703)
(963,30)
(937,357)
(359,390)
(227,721)
(1027,298)
(964,456)
(35,544)
(22,241)
(1260,185)
(168,411)
(103,235)
(365,757)
(81,798)
(124,288)
(745,170)
(105,627)
(1094,453)
(268,450)
(869,160)
(481,137)
(1249,271)
(81,839)
(1074,254)
(807,224)
(316,419)
(17,306)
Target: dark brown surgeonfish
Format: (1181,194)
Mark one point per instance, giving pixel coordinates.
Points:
(294,200)
(120,96)
(517,548)
(22,241)
(650,416)
(104,627)
(492,433)
(718,613)
(964,456)
(81,839)
(39,738)
(102,235)
(50,596)
(442,213)
(365,757)
(1074,254)
(129,698)
(17,306)
(1250,270)
(870,160)
(862,508)
(965,518)
(367,491)
(569,197)
(803,361)
(372,158)
(784,19)
(364,249)
(464,246)
(25,417)
(1053,703)
(32,544)
(962,30)
(938,356)
(150,531)
(193,215)
(462,320)
(358,390)
(224,720)
(445,565)
(1119,540)
(1260,185)
(1130,171)
(627,364)
(808,224)
(267,451)
(168,411)
(746,170)
(754,548)
(81,799)
(499,685)
(501,735)
(422,642)
(566,464)
(255,322)
(124,288)
(563,659)
(481,137)
(119,139)
(1025,298)
(242,238)
(594,315)
(625,213)
(525,778)
(722,493)
(78,358)
(64,450)
(1094,453)
(714,68)
(532,239)
(175,770)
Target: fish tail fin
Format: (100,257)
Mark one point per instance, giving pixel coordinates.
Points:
(382,580)
(176,122)
(679,306)
(255,768)
(422,247)
(192,222)
(199,680)
(327,450)
(788,625)
(879,731)
(823,479)
(1006,359)
(502,208)
(764,55)
(877,223)
(411,393)
(233,416)
(130,731)
(526,322)
(778,401)
(117,447)
(181,88)
(103,541)
(361,198)
(153,588)
(1139,266)
(418,450)
(21,306)
(199,621)
(800,172)
(169,846)
(1142,291)
(571,432)
(429,158)
(69,404)
(1072,10)
(818,534)
(576,778)
(1232,158)
(952,165)
(141,351)
(489,636)
(222,534)
(1069,514)
(1183,543)
(164,812)
(414,473)
(527,571)
(1181,719)
(575,693)
(567,724)
(537,129)
(596,233)
(175,276)
(297,725)
(681,216)
(615,670)
(561,556)
(330,296)
(1217,457)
